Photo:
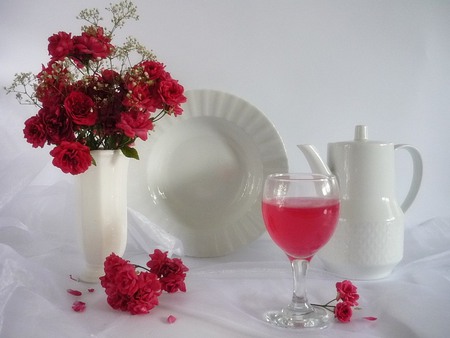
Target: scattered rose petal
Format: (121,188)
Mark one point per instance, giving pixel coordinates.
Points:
(370,318)
(74,292)
(91,290)
(171,319)
(79,306)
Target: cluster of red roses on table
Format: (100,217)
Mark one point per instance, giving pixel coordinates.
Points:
(137,292)
(90,96)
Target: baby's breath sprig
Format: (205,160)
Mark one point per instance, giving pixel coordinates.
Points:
(21,85)
(132,44)
(90,15)
(121,12)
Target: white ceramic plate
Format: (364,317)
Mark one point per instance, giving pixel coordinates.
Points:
(200,174)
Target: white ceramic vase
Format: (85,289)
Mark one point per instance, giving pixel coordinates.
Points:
(103,194)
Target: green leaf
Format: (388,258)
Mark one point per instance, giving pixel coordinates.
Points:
(130,152)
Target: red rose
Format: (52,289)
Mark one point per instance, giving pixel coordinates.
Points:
(58,127)
(60,45)
(112,265)
(80,108)
(110,76)
(126,290)
(172,272)
(142,97)
(173,282)
(71,157)
(172,94)
(135,124)
(34,131)
(347,292)
(92,44)
(116,300)
(126,280)
(146,298)
(53,83)
(157,261)
(152,69)
(343,312)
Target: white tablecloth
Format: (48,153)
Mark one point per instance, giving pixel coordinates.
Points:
(225,296)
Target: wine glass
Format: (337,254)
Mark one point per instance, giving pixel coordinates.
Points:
(300,212)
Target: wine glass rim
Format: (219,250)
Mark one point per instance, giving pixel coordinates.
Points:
(300,177)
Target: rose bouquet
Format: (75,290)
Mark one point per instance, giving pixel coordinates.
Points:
(91,96)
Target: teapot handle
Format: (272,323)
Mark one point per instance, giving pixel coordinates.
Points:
(417,174)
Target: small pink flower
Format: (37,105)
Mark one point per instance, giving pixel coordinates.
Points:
(74,292)
(172,272)
(347,292)
(60,45)
(71,157)
(79,306)
(343,312)
(128,290)
(35,132)
(345,300)
(171,319)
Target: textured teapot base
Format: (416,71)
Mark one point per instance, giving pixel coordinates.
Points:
(365,249)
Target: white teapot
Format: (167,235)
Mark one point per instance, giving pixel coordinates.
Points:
(368,241)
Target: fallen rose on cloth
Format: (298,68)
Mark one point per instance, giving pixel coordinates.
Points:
(137,292)
(346,298)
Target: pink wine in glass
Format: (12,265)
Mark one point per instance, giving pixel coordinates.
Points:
(300,212)
(299,225)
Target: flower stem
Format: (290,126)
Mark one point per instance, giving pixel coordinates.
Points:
(141,267)
(326,306)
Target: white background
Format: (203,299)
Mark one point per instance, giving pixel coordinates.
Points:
(315,68)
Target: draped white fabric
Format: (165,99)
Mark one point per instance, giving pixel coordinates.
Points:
(225,296)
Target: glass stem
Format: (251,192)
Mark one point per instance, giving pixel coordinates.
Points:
(300,303)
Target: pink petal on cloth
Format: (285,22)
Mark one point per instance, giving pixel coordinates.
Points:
(91,290)
(171,319)
(74,292)
(79,306)
(370,318)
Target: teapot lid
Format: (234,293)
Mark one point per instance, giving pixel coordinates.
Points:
(361,138)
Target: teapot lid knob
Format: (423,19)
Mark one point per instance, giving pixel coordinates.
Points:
(361,133)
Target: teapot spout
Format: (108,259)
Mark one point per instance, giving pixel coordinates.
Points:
(315,162)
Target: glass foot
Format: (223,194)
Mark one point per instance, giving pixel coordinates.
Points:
(318,318)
